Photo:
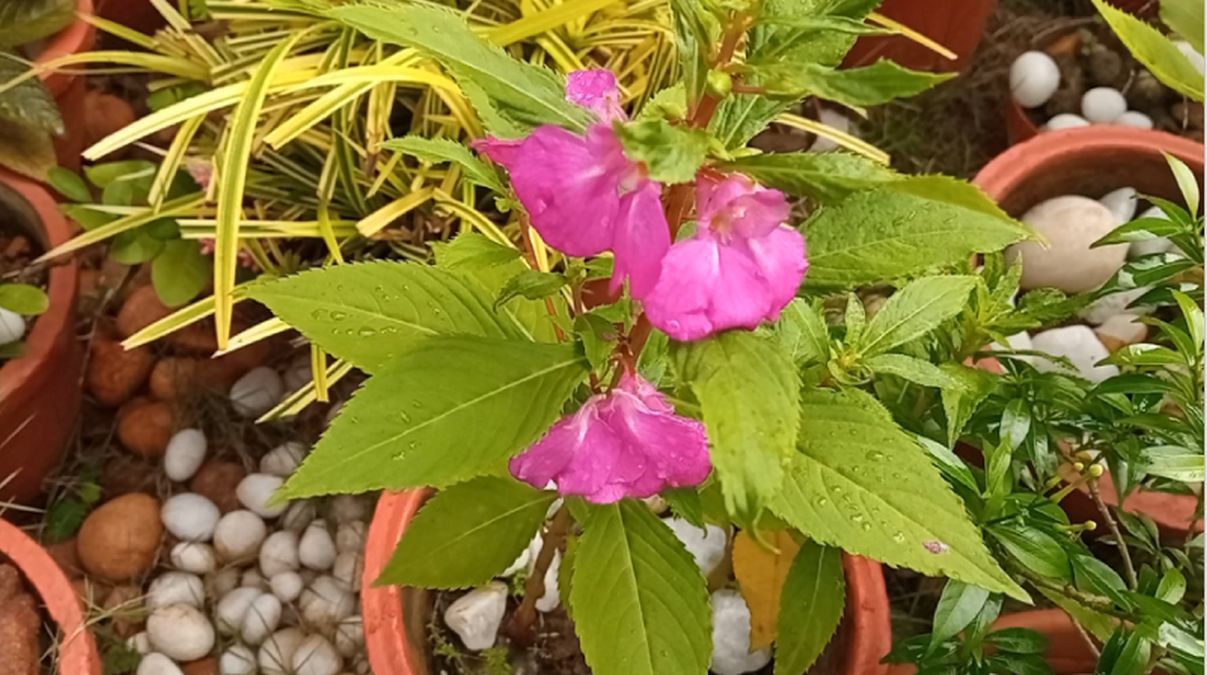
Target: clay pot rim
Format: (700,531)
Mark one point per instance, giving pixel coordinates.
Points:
(77,650)
(392,652)
(61,288)
(78,36)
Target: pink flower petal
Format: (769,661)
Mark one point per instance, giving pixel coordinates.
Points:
(597,91)
(736,204)
(641,239)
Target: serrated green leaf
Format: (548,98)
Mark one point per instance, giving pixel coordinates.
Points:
(522,95)
(339,308)
(878,83)
(693,31)
(959,605)
(438,150)
(449,409)
(959,404)
(467,533)
(803,332)
(23,299)
(913,369)
(530,284)
(825,176)
(672,153)
(814,597)
(179,272)
(640,604)
(26,21)
(1157,52)
(914,311)
(886,232)
(781,32)
(748,389)
(859,482)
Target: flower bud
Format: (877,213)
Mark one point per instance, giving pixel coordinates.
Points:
(719,83)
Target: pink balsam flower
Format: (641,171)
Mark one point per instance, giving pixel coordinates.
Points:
(582,194)
(740,268)
(626,443)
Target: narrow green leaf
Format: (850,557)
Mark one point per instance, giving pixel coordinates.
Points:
(449,409)
(1174,463)
(1037,550)
(23,299)
(813,600)
(859,482)
(468,533)
(179,272)
(958,606)
(914,311)
(672,153)
(1156,51)
(1093,575)
(438,150)
(640,604)
(748,390)
(1188,183)
(340,308)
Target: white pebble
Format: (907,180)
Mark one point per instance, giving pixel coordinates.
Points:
(1034,77)
(298,515)
(1066,121)
(316,656)
(552,598)
(1154,245)
(190,517)
(316,549)
(731,653)
(255,491)
(195,557)
(237,660)
(257,392)
(706,545)
(1101,310)
(287,586)
(475,617)
(253,579)
(1121,203)
(345,508)
(222,582)
(176,588)
(1080,346)
(181,632)
(279,553)
(184,455)
(326,602)
(350,536)
(12,326)
(139,642)
(155,663)
(1192,54)
(297,374)
(276,654)
(283,460)
(348,568)
(1070,224)
(1121,329)
(1103,104)
(835,120)
(521,561)
(238,536)
(262,619)
(1133,118)
(350,637)
(233,607)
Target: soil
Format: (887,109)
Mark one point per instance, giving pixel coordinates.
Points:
(20,626)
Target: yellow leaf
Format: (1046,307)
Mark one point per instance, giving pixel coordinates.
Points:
(761,569)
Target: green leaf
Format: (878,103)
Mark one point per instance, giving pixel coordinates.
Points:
(748,389)
(1018,640)
(26,21)
(672,153)
(878,83)
(467,534)
(640,604)
(886,232)
(825,176)
(449,409)
(914,311)
(135,246)
(24,299)
(1185,17)
(959,604)
(783,31)
(122,171)
(959,404)
(521,95)
(693,30)
(438,150)
(803,332)
(1126,653)
(813,600)
(1172,462)
(915,370)
(1035,549)
(859,482)
(1093,575)
(179,272)
(1157,52)
(69,184)
(339,308)
(1188,184)
(530,284)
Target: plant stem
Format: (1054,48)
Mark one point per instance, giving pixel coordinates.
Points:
(1089,641)
(519,629)
(1128,568)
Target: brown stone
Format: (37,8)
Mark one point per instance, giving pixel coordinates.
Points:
(144,426)
(120,539)
(106,114)
(65,555)
(174,377)
(216,480)
(125,473)
(141,309)
(114,373)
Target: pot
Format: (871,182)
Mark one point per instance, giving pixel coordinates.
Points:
(69,89)
(958,25)
(77,649)
(1093,161)
(40,390)
(140,15)
(394,617)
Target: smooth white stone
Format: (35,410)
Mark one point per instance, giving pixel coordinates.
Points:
(233,606)
(297,374)
(140,643)
(253,579)
(180,632)
(221,582)
(707,546)
(276,654)
(1034,77)
(1102,104)
(346,508)
(1066,121)
(350,637)
(237,660)
(298,515)
(279,553)
(155,663)
(1134,118)
(348,568)
(316,656)
(1121,203)
(1100,311)
(1080,345)
(190,517)
(287,586)
(834,119)
(176,588)
(12,326)
(1122,329)
(316,549)
(731,653)
(194,557)
(254,492)
(238,536)
(261,620)
(257,392)
(184,455)
(1154,245)
(326,602)
(1070,224)
(350,536)
(283,460)
(552,599)
(475,617)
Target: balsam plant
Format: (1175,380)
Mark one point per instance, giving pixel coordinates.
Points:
(660,327)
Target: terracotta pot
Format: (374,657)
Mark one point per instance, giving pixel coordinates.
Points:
(40,391)
(1093,161)
(140,15)
(68,89)
(77,649)
(394,616)
(958,25)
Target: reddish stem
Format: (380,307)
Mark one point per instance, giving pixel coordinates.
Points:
(519,629)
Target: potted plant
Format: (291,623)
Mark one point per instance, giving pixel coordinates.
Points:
(959,26)
(40,379)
